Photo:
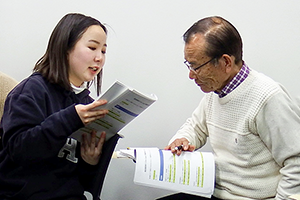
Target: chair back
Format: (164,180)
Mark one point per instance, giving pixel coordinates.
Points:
(7,83)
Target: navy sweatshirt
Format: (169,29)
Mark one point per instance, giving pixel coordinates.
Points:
(38,159)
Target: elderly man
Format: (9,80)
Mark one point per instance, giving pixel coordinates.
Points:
(252,123)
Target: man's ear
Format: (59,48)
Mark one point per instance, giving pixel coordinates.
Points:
(227,62)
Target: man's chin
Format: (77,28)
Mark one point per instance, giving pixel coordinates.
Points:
(205,90)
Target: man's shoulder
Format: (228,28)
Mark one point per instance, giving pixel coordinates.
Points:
(260,87)
(260,77)
(259,81)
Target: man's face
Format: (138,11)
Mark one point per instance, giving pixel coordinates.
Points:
(210,77)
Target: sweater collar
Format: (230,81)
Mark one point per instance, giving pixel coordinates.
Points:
(236,81)
(79,89)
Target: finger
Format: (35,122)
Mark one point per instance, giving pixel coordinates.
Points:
(93,140)
(84,141)
(101,141)
(98,113)
(102,101)
(172,147)
(167,147)
(176,143)
(97,103)
(186,145)
(191,148)
(178,152)
(92,116)
(95,114)
(91,106)
(179,145)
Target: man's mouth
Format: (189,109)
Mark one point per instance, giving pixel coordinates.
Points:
(199,84)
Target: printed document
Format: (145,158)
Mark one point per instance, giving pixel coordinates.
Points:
(124,104)
(191,172)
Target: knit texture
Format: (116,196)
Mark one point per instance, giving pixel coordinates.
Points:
(241,156)
(252,132)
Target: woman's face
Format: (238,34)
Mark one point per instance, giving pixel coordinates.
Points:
(87,57)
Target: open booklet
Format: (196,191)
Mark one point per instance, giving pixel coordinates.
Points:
(191,172)
(124,104)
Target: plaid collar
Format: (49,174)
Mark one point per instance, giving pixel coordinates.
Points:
(236,81)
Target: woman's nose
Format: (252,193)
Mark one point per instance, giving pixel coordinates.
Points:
(99,57)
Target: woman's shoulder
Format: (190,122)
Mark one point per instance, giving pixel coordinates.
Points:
(39,88)
(33,85)
(36,78)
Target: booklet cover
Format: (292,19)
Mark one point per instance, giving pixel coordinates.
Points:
(124,104)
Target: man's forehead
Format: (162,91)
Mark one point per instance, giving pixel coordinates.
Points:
(195,48)
(196,38)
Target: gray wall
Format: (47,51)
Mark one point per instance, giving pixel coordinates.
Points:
(145,51)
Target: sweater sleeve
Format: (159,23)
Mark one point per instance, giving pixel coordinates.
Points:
(32,131)
(278,124)
(194,129)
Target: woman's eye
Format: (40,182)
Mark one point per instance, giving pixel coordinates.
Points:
(92,48)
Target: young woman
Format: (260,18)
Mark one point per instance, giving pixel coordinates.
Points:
(38,159)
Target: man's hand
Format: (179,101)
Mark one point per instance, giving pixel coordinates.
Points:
(179,145)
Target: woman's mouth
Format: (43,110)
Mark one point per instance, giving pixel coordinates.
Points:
(94,68)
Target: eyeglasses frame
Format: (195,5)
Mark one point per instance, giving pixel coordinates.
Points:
(195,69)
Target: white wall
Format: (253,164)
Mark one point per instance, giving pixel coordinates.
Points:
(145,51)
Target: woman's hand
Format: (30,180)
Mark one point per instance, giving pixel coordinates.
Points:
(87,113)
(91,149)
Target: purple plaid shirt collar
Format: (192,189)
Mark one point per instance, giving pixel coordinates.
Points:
(236,81)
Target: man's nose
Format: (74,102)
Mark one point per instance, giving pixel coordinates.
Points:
(192,75)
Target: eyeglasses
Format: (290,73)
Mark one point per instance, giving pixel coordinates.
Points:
(189,65)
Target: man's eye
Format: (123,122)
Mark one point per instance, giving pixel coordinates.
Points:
(192,66)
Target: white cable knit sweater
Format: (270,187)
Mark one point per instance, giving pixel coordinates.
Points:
(255,136)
